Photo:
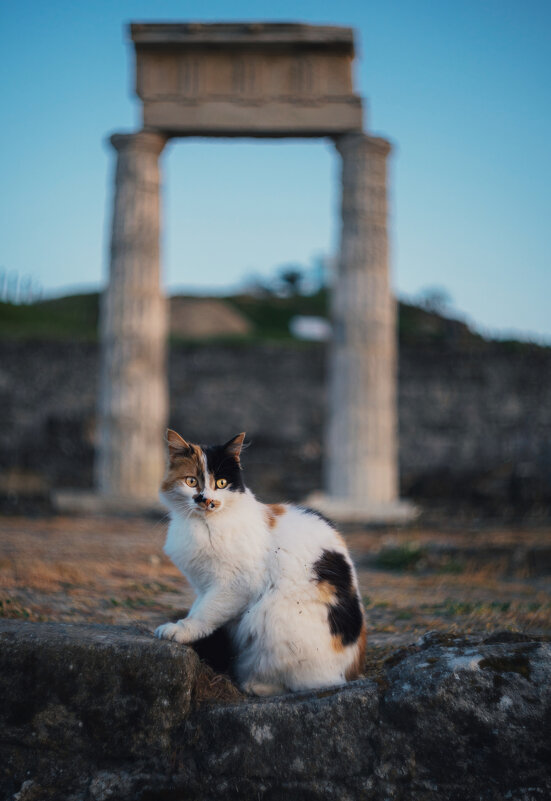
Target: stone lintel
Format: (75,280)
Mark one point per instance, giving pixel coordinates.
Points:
(269,120)
(263,79)
(242,35)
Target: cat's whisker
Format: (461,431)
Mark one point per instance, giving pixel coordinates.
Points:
(164,519)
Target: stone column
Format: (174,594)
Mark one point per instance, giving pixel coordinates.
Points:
(361,457)
(133,401)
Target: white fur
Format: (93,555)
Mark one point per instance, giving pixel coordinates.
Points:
(260,581)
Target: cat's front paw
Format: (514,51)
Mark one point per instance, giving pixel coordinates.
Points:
(173,631)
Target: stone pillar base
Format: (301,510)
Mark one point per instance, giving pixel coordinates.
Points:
(345,510)
(87,502)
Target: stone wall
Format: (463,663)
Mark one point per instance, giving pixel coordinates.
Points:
(475,422)
(99,713)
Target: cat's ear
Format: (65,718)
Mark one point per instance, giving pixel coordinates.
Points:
(175,442)
(233,446)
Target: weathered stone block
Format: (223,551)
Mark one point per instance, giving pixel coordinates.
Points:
(92,690)
(253,79)
(85,718)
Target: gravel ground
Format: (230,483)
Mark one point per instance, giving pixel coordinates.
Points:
(112,570)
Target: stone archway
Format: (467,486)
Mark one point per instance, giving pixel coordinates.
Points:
(251,80)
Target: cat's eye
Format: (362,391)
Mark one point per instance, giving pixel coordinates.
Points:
(221,483)
(191,481)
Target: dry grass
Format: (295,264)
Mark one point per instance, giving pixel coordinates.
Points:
(77,569)
(113,571)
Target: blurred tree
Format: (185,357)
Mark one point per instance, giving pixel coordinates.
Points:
(291,278)
(435,299)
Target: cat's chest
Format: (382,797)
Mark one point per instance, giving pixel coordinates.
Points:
(206,555)
(190,547)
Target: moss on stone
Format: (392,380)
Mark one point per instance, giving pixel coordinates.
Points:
(516,663)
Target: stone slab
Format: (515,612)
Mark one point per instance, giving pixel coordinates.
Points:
(240,34)
(92,713)
(271,119)
(259,79)
(343,510)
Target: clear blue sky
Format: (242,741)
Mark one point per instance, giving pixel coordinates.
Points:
(461,88)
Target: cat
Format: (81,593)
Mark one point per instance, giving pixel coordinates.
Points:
(277,576)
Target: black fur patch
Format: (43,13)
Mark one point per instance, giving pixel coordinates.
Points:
(224,465)
(216,650)
(315,513)
(345,615)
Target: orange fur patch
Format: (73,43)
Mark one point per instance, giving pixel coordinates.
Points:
(182,464)
(356,667)
(272,512)
(326,592)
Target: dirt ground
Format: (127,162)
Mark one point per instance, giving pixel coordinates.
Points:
(112,570)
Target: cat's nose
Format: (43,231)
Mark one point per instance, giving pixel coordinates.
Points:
(206,503)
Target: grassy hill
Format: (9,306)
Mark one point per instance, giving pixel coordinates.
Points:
(76,317)
(70,317)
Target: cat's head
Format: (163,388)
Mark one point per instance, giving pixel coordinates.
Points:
(201,479)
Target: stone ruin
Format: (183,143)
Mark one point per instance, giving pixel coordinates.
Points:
(101,713)
(266,80)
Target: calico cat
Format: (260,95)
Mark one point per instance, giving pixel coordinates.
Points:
(278,577)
